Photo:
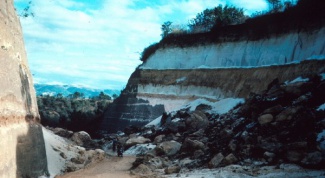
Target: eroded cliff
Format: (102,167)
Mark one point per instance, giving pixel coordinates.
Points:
(22,148)
(230,62)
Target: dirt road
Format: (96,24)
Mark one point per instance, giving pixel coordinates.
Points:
(111,167)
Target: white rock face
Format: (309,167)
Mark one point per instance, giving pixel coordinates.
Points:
(295,46)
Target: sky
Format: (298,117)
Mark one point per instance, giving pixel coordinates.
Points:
(98,43)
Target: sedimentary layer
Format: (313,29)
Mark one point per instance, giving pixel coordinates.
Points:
(22,148)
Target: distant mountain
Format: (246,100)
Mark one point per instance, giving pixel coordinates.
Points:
(45,89)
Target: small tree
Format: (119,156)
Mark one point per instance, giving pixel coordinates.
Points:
(166,29)
(26,11)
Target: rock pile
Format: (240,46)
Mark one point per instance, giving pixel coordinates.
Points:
(279,125)
(75,149)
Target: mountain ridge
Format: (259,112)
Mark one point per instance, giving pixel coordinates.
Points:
(65,90)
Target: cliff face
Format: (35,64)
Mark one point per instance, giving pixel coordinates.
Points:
(22,148)
(173,76)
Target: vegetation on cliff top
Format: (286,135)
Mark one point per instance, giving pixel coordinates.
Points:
(306,15)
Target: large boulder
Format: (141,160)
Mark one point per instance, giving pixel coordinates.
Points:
(136,140)
(81,138)
(168,148)
(216,160)
(197,120)
(190,145)
(265,119)
(62,132)
(288,113)
(172,169)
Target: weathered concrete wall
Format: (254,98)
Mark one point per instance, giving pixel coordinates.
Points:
(22,148)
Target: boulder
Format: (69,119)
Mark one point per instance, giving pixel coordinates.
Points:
(158,139)
(142,170)
(172,169)
(230,159)
(155,163)
(136,140)
(81,138)
(168,148)
(62,132)
(287,114)
(192,145)
(294,156)
(198,153)
(216,160)
(269,156)
(314,160)
(265,119)
(275,110)
(78,160)
(197,120)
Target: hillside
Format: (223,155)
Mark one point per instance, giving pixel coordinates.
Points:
(230,62)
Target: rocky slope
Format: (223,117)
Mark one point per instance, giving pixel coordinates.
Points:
(282,125)
(22,148)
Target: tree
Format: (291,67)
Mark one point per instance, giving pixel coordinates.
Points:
(26,11)
(218,16)
(115,96)
(103,96)
(166,28)
(275,5)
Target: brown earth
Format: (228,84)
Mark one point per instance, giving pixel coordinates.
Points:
(111,167)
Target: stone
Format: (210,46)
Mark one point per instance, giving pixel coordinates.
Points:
(294,156)
(287,113)
(172,169)
(95,156)
(155,163)
(63,155)
(78,160)
(232,145)
(198,153)
(168,148)
(275,110)
(141,170)
(216,160)
(269,156)
(136,140)
(313,160)
(158,139)
(265,119)
(197,120)
(62,132)
(192,145)
(230,159)
(81,138)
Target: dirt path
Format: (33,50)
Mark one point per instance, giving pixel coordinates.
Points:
(111,167)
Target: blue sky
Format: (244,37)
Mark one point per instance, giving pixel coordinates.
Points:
(97,43)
